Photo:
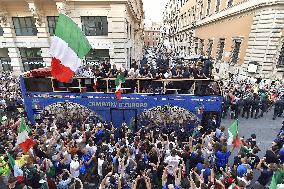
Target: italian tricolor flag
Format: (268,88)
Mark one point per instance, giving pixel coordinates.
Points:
(118,81)
(18,173)
(23,139)
(69,46)
(233,135)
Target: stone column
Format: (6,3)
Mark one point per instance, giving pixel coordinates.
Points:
(117,32)
(263,41)
(16,62)
(62,7)
(42,34)
(9,35)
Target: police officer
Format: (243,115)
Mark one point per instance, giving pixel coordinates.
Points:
(247,101)
(264,103)
(234,106)
(278,107)
(225,105)
(255,105)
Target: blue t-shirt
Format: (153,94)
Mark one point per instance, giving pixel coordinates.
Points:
(241,170)
(222,158)
(86,158)
(206,173)
(100,134)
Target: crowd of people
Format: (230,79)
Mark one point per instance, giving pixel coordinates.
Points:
(252,99)
(153,66)
(74,148)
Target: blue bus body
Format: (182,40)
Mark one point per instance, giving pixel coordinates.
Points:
(106,106)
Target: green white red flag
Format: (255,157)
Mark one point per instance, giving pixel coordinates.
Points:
(23,139)
(69,46)
(118,81)
(18,173)
(233,135)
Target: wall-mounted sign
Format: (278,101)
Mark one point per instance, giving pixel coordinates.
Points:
(252,67)
(101,45)
(34,62)
(5,62)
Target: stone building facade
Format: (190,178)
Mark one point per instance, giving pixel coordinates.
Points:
(152,35)
(245,37)
(113,27)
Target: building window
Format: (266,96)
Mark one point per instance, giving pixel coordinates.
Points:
(95,25)
(196,47)
(209,47)
(127,29)
(5,61)
(236,51)
(208,7)
(189,17)
(230,3)
(221,47)
(130,31)
(193,13)
(281,56)
(24,26)
(201,11)
(31,58)
(51,20)
(201,48)
(95,57)
(1,31)
(218,3)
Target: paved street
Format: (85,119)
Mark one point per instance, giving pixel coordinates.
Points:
(265,129)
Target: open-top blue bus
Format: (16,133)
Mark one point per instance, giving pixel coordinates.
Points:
(199,98)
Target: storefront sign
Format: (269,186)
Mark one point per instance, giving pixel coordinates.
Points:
(34,63)
(5,62)
(91,62)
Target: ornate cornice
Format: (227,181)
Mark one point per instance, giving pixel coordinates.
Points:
(3,14)
(62,7)
(36,12)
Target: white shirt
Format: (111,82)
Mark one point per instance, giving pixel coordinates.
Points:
(173,162)
(74,168)
(100,167)
(91,149)
(68,160)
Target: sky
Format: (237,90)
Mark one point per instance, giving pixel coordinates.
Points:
(154,10)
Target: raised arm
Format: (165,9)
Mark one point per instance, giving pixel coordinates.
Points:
(192,184)
(103,183)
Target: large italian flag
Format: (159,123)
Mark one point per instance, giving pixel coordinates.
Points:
(23,138)
(233,135)
(69,46)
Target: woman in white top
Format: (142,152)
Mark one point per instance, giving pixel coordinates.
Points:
(75,167)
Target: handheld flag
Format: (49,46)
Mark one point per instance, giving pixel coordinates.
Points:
(69,46)
(24,126)
(18,173)
(277,178)
(119,80)
(23,139)
(233,135)
(11,160)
